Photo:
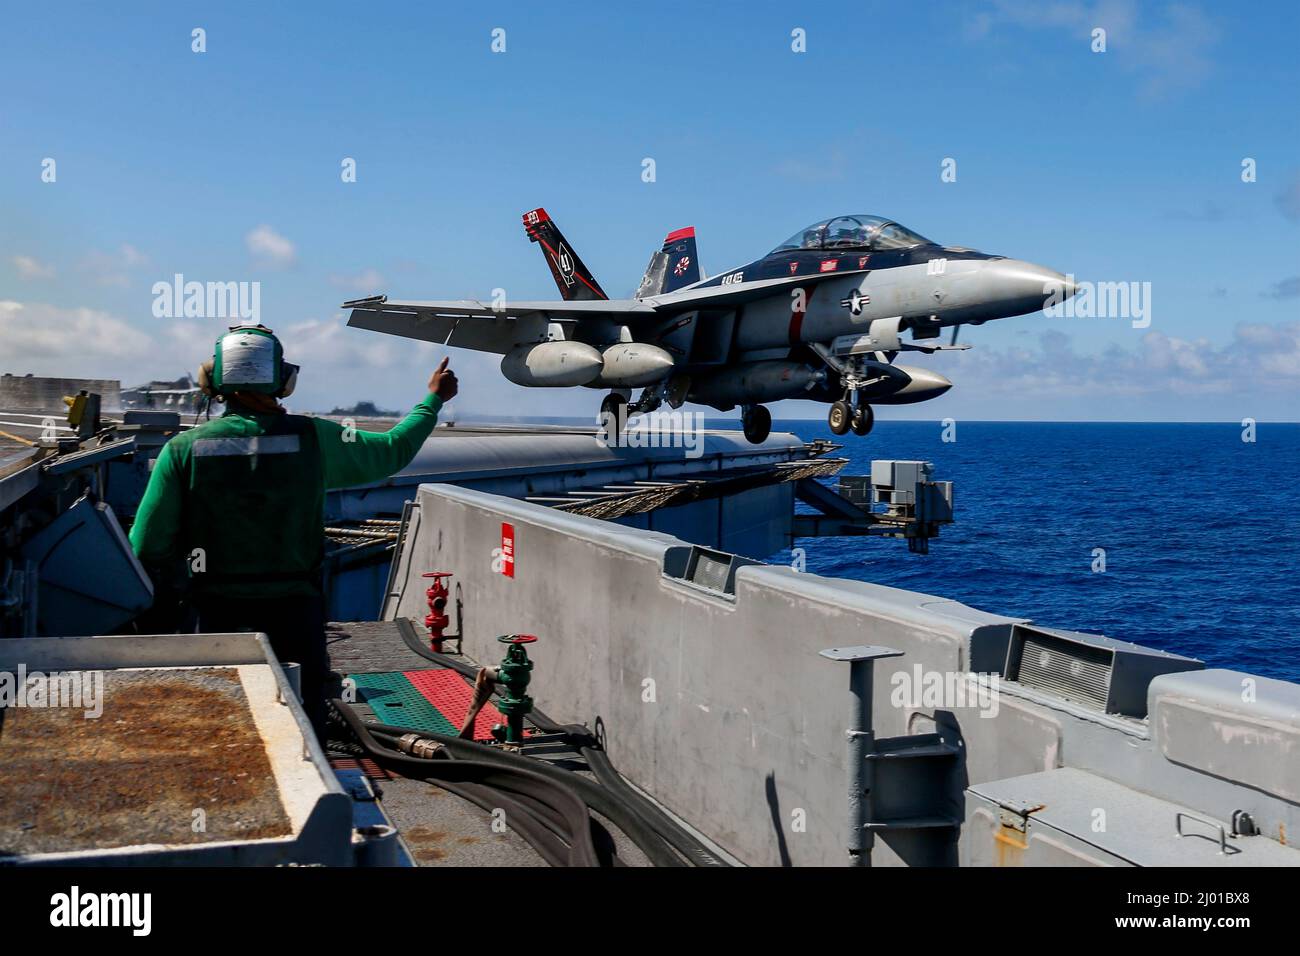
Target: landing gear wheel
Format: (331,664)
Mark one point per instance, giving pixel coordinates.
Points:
(757,423)
(863,419)
(840,417)
(613,414)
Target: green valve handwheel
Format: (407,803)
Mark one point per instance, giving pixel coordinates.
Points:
(514,672)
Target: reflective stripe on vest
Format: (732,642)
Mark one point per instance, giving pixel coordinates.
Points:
(253,445)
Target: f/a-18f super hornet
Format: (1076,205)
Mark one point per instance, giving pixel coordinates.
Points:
(822,316)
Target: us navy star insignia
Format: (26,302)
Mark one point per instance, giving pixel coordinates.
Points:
(856,300)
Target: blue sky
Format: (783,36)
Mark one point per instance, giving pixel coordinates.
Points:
(225,166)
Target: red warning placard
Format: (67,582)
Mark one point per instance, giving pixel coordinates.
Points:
(507,549)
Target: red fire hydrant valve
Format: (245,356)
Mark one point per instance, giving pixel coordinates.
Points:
(437,619)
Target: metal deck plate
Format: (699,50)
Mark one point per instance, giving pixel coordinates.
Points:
(169,744)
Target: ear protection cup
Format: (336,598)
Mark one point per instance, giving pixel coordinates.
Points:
(289,376)
(205,379)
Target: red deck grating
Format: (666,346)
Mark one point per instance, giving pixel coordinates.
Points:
(448,692)
(365,765)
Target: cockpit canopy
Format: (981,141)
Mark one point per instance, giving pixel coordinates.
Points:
(852,232)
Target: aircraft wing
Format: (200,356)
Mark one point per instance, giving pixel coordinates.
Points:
(485,327)
(472,324)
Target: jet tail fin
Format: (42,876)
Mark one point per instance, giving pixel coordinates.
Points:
(674,266)
(572,277)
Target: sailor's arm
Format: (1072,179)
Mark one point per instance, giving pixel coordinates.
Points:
(155,534)
(352,457)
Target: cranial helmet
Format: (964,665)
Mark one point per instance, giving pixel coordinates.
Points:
(248,358)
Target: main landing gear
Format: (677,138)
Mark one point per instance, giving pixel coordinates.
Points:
(851,412)
(613,412)
(757,423)
(618,404)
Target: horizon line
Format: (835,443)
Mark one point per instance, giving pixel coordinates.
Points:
(894,421)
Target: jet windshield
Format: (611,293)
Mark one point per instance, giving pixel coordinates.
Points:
(852,232)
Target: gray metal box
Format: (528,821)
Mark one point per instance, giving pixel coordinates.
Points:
(897,473)
(896,482)
(1097,672)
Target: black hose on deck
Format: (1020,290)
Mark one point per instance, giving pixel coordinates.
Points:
(673,833)
(607,804)
(552,848)
(553,851)
(493,785)
(677,836)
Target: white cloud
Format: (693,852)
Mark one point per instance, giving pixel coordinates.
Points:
(1258,358)
(1169,51)
(34,335)
(45,339)
(1175,57)
(342,365)
(30,268)
(1158,376)
(330,344)
(270,248)
(368,280)
(131,256)
(113,268)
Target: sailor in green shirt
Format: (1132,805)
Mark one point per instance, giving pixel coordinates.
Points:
(239,501)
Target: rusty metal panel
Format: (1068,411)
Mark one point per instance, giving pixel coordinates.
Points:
(162,750)
(170,745)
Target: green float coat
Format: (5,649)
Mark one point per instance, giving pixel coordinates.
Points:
(249,490)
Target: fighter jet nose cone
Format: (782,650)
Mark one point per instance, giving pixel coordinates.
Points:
(1066,283)
(1025,287)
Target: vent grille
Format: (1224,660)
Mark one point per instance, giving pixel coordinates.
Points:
(710,572)
(1075,671)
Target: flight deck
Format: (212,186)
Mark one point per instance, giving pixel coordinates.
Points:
(657,694)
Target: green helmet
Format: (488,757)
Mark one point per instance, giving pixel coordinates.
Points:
(249,358)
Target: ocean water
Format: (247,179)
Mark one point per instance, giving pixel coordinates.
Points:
(1201,531)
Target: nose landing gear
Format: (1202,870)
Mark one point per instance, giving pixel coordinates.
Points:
(863,419)
(851,412)
(840,417)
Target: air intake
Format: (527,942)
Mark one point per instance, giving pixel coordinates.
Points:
(1089,670)
(1075,671)
(705,568)
(710,569)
